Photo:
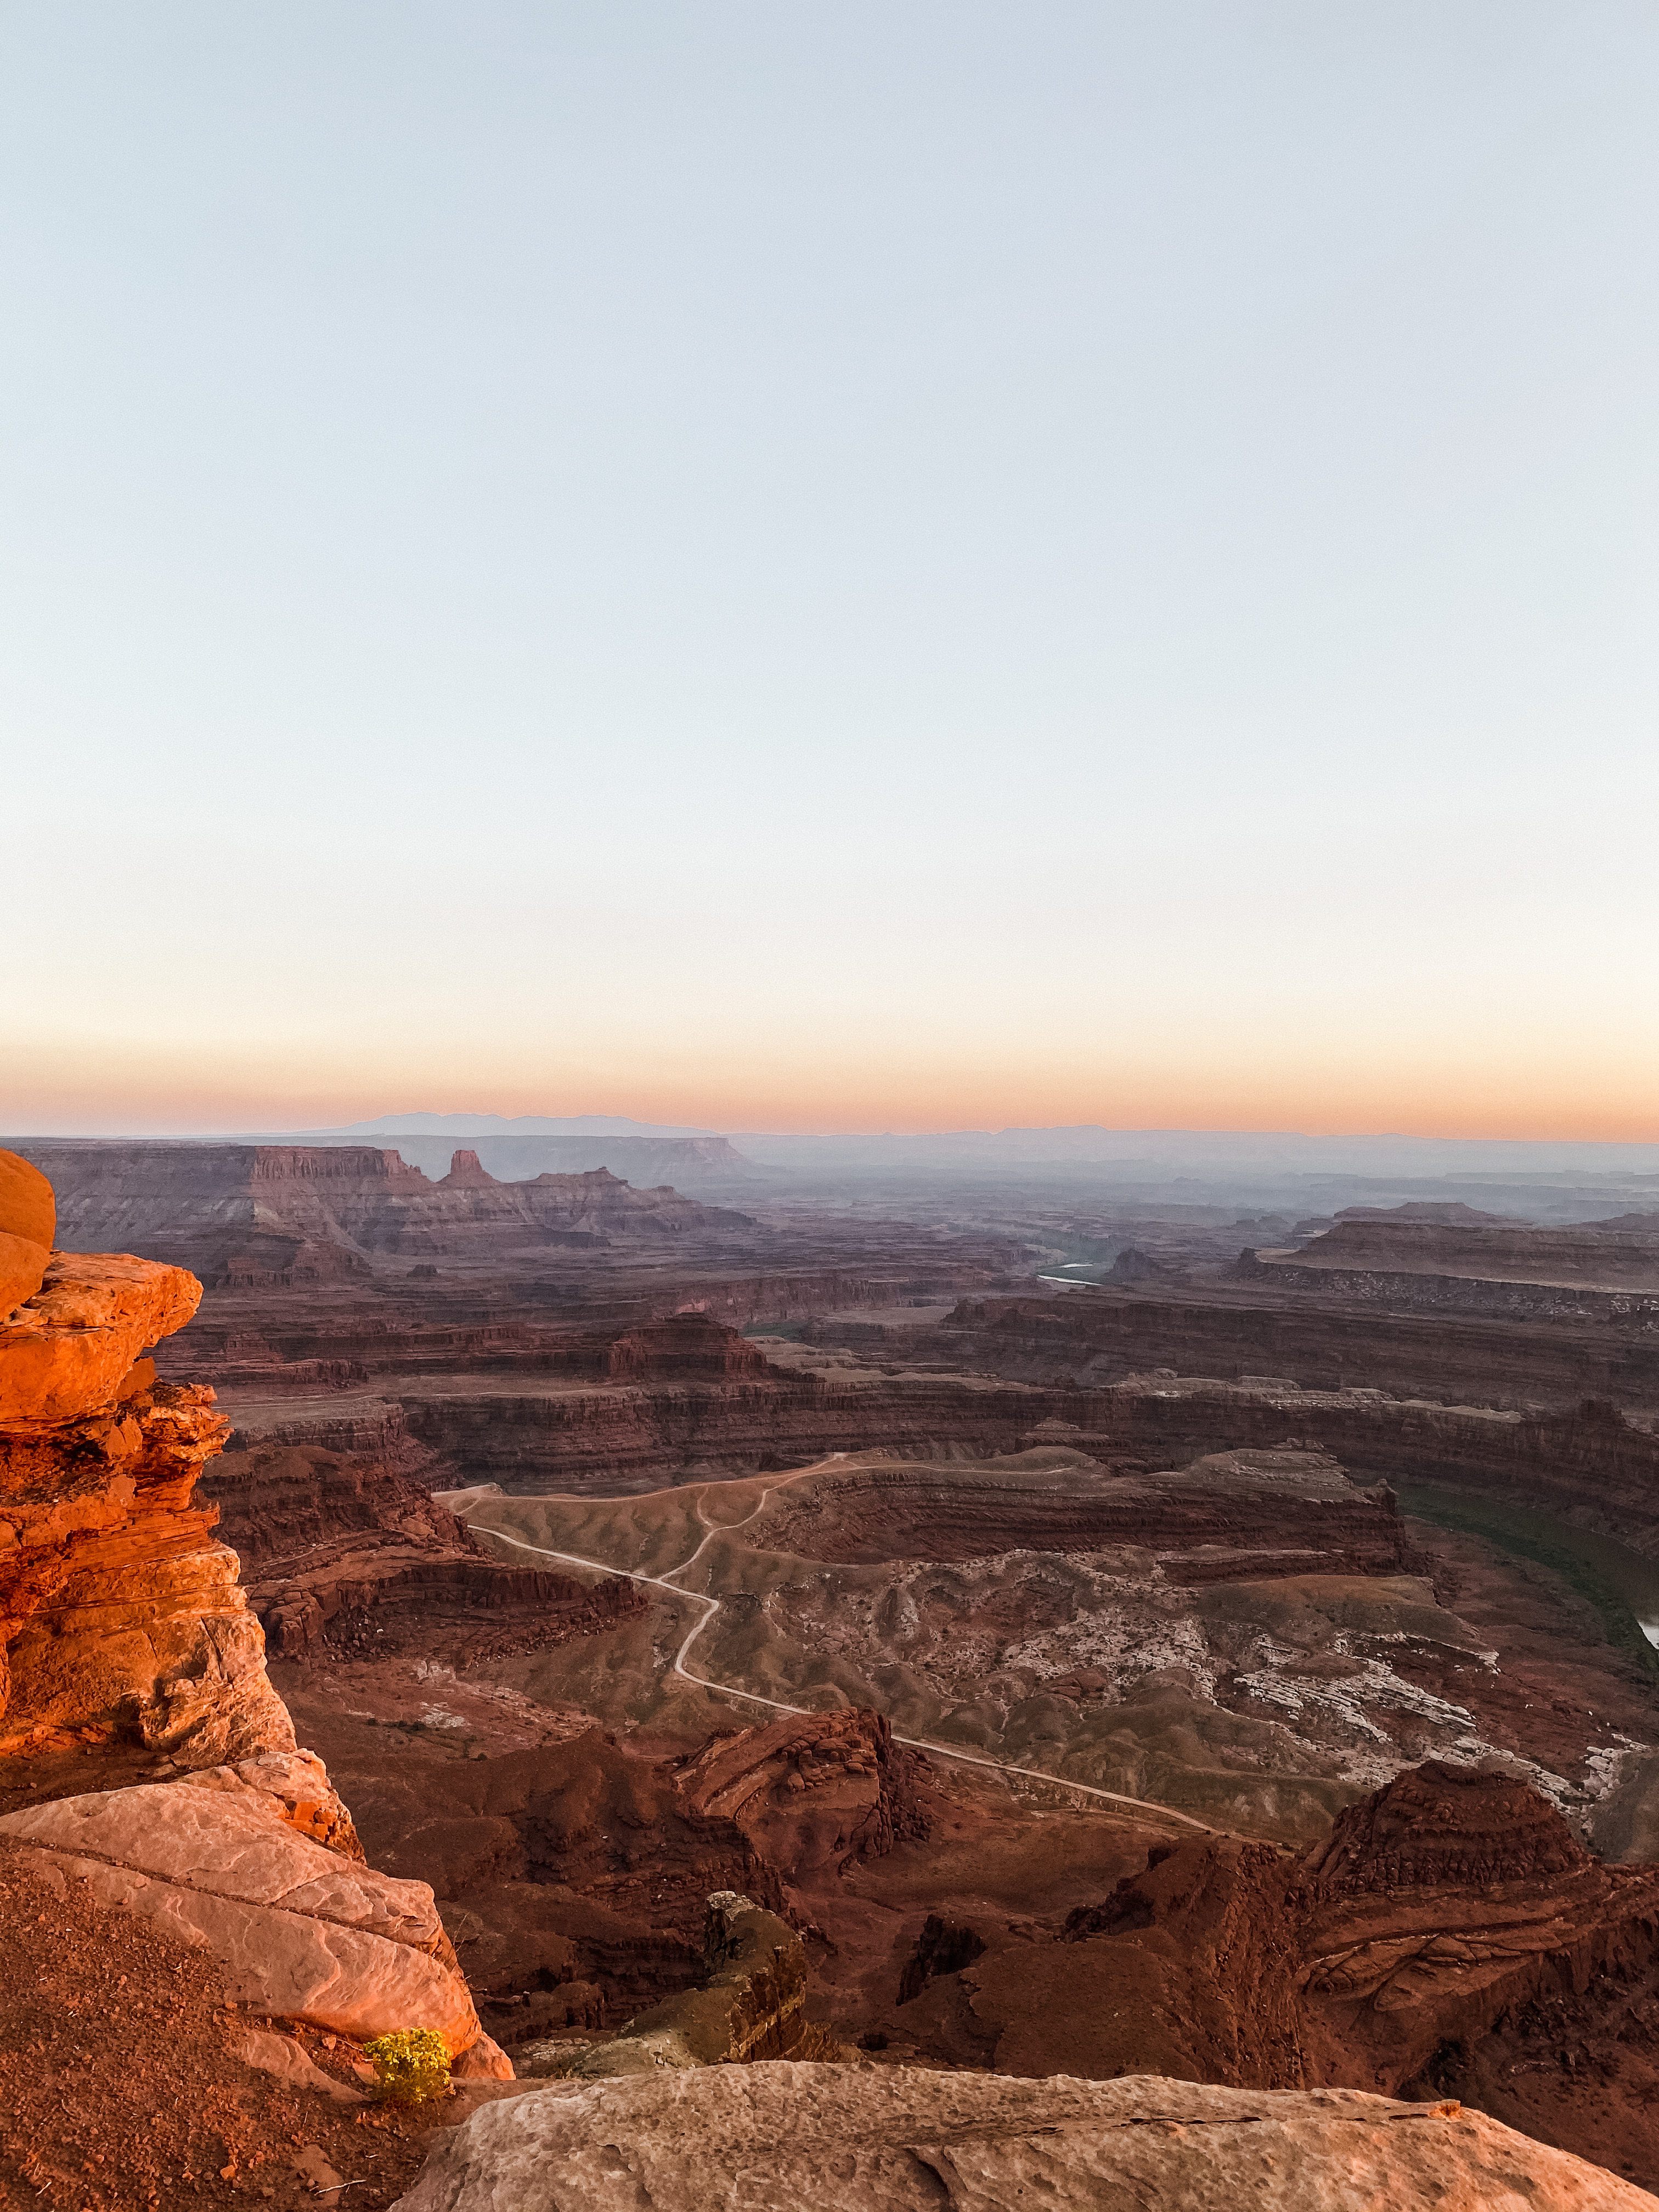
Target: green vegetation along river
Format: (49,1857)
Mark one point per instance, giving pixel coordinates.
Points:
(1622,1585)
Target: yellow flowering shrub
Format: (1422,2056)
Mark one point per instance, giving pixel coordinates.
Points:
(412,2064)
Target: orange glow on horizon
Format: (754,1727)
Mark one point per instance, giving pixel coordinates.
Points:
(1495,1105)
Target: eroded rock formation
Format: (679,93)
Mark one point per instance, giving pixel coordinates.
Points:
(1450,1934)
(751,2005)
(120,1614)
(286,1214)
(124,1633)
(345,1553)
(846,2140)
(814,1792)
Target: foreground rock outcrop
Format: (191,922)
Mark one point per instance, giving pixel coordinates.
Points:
(775,2138)
(120,1616)
(126,1641)
(29,1220)
(301,1933)
(125,2083)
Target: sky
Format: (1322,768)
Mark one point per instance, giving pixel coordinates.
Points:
(882,567)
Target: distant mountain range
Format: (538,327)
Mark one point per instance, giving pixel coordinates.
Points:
(496,1125)
(1136,1153)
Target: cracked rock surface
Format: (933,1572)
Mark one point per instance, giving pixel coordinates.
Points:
(775,2138)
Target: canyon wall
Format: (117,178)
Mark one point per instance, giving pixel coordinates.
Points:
(1472,1358)
(1235,1515)
(1426,1291)
(1618,1255)
(283,1214)
(343,1555)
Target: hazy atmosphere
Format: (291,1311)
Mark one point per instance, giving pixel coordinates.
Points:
(783,568)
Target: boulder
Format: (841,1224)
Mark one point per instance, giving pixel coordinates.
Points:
(66,1352)
(300,1932)
(22,1270)
(888,2139)
(28,1207)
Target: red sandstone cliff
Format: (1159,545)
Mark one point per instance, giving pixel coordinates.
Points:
(290,1213)
(342,1554)
(124,1637)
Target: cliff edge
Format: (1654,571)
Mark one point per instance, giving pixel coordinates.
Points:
(888,2139)
(143,1751)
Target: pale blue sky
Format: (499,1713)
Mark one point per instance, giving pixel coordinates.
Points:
(856,566)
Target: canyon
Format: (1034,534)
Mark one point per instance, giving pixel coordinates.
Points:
(797,1645)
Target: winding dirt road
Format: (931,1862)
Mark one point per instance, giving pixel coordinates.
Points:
(711,1605)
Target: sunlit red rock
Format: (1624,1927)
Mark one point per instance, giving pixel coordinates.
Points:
(300,1932)
(66,1353)
(27,1206)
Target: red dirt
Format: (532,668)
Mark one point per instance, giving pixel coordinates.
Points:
(120,2091)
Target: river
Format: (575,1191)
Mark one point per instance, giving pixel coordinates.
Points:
(1622,1585)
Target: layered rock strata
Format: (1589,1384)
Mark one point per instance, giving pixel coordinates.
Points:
(1229,1516)
(1260,1325)
(751,2005)
(1430,1920)
(1589,1462)
(1453,1293)
(342,1553)
(123,1631)
(1621,1255)
(286,1214)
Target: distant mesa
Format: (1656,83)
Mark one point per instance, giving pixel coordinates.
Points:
(465,1174)
(1369,1248)
(1442,1213)
(514,1150)
(290,1215)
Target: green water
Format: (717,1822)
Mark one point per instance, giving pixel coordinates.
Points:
(1620,1584)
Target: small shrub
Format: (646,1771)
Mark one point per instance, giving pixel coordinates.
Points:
(412,2064)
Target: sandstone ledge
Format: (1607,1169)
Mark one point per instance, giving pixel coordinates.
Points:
(64,1354)
(776,2138)
(301,1933)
